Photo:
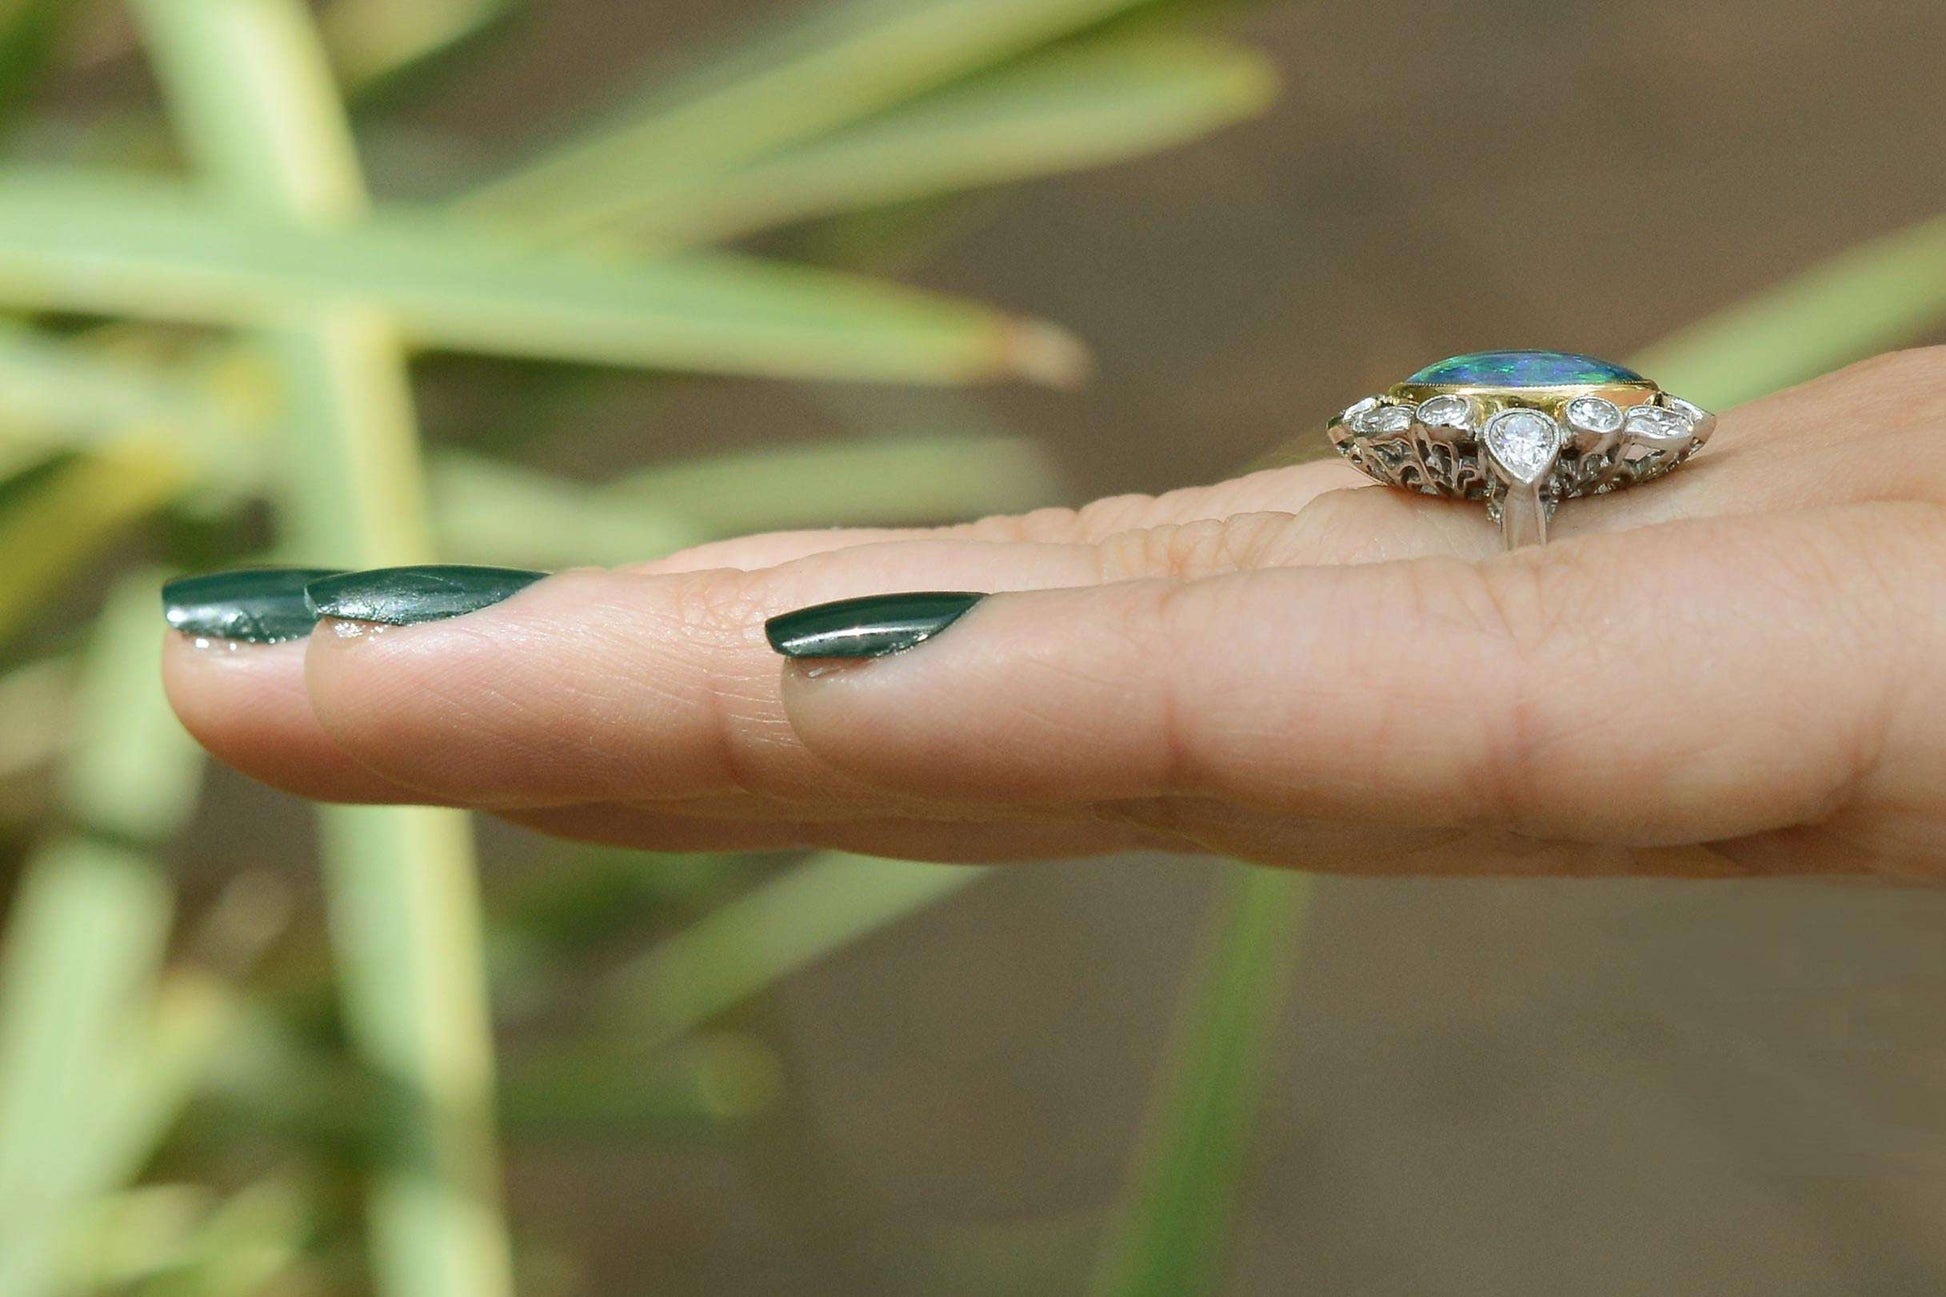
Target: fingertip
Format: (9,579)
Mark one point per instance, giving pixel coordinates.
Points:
(246,704)
(474,708)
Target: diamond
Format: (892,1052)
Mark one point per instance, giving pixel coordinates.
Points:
(1701,422)
(1446,412)
(1656,423)
(1383,419)
(1523,443)
(1593,414)
(1357,408)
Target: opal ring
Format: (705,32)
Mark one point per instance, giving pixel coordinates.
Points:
(1521,430)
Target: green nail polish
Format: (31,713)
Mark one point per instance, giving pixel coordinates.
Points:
(867,628)
(263,605)
(401,596)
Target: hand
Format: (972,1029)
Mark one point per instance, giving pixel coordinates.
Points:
(1740,668)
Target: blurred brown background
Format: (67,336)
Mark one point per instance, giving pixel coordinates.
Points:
(1480,1088)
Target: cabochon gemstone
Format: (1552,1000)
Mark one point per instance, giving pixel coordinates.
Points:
(1525,369)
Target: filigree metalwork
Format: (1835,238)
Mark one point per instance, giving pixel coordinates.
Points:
(1431,461)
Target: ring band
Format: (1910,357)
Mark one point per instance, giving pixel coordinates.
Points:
(1521,430)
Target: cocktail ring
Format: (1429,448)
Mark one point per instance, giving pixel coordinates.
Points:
(1522,430)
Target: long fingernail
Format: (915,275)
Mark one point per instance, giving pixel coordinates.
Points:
(402,596)
(259,605)
(867,628)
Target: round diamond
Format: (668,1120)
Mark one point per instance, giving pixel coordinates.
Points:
(1384,419)
(1524,443)
(1593,414)
(1658,423)
(1446,412)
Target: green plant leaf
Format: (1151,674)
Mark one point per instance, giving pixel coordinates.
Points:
(374,41)
(826,69)
(161,251)
(884,481)
(63,395)
(72,513)
(84,940)
(495,513)
(29,32)
(93,1068)
(156,1072)
(817,907)
(271,1079)
(1877,295)
(1074,107)
(241,1247)
(133,774)
(172,1241)
(129,1235)
(1172,1236)
(403,901)
(698,1085)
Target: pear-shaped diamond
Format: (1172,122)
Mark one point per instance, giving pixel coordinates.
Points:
(1657,423)
(1523,443)
(1383,420)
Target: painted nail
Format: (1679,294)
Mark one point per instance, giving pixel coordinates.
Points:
(867,628)
(401,596)
(261,605)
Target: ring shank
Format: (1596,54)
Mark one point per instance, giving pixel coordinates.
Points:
(1523,517)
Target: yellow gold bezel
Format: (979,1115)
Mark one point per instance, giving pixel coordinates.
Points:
(1534,398)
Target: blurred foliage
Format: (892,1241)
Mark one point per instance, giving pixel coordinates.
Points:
(1172,1233)
(205,361)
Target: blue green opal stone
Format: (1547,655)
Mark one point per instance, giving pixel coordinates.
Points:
(1524,369)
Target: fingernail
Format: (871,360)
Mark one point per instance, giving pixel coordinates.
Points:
(401,596)
(867,628)
(262,605)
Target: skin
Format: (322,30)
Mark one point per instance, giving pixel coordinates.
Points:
(1740,669)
